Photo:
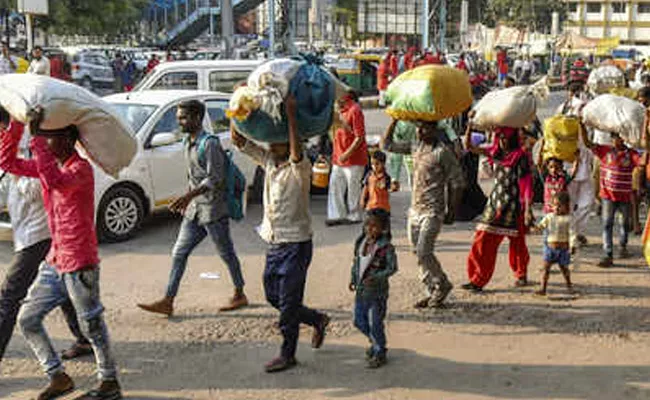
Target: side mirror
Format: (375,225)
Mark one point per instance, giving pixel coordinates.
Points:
(164,139)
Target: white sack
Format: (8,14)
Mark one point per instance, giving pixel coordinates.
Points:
(515,107)
(107,140)
(603,79)
(616,114)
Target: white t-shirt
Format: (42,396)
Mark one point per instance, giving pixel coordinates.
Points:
(39,67)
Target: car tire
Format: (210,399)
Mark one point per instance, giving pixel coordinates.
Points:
(87,84)
(120,214)
(256,190)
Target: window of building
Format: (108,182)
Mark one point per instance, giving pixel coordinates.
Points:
(573,7)
(594,8)
(619,7)
(644,8)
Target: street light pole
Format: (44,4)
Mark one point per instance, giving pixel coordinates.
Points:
(227,27)
(425,25)
(271,24)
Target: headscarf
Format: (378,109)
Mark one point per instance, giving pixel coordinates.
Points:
(511,159)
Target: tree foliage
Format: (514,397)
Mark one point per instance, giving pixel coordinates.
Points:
(532,14)
(94,17)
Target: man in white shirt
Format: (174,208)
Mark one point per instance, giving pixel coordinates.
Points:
(40,64)
(286,227)
(581,189)
(527,69)
(7,65)
(22,197)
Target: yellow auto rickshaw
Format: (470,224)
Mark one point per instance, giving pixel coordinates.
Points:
(359,71)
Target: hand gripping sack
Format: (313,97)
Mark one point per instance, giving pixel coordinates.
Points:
(616,114)
(561,137)
(602,79)
(514,107)
(314,90)
(107,140)
(429,93)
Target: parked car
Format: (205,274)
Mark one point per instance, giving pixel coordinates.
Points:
(217,75)
(158,173)
(92,70)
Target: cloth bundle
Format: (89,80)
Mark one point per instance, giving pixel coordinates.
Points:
(258,109)
(605,78)
(429,93)
(106,139)
(616,114)
(515,107)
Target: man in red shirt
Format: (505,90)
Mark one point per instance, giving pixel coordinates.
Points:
(617,163)
(461,64)
(71,271)
(502,65)
(383,79)
(153,63)
(349,161)
(409,57)
(394,64)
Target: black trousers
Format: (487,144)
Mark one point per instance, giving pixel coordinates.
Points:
(19,278)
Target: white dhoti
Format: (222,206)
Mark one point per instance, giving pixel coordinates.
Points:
(344,193)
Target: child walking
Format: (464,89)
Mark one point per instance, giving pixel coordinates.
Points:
(374,262)
(556,247)
(376,188)
(556,179)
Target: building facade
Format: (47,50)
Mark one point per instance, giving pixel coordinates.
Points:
(394,22)
(628,20)
(297,12)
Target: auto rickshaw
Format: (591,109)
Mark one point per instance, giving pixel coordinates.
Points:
(359,71)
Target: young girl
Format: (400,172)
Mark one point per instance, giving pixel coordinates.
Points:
(507,212)
(374,262)
(556,179)
(556,247)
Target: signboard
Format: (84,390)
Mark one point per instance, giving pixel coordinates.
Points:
(38,7)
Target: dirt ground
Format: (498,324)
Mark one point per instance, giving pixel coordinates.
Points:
(503,344)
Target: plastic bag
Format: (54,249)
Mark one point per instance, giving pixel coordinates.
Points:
(616,114)
(602,79)
(514,107)
(107,140)
(429,93)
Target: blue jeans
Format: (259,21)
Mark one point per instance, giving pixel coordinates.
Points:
(284,285)
(50,290)
(608,214)
(369,317)
(191,234)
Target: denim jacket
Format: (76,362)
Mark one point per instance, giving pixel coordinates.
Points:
(382,266)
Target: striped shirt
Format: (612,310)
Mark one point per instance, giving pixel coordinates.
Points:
(616,167)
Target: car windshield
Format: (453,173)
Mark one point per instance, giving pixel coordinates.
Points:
(135,114)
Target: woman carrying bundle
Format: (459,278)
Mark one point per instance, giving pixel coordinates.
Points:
(507,213)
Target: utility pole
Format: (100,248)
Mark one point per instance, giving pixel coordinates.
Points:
(271,25)
(442,21)
(227,27)
(425,25)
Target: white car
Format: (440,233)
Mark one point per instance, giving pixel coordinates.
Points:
(158,173)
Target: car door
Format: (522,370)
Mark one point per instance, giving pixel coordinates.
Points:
(166,162)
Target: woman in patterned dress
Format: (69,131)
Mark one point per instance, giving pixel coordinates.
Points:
(507,213)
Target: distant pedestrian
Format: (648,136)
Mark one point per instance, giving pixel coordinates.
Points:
(40,64)
(286,227)
(204,208)
(383,79)
(7,64)
(374,262)
(153,63)
(375,197)
(349,161)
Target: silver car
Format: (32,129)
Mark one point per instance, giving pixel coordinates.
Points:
(92,70)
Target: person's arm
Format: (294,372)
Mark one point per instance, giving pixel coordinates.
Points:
(9,160)
(255,152)
(540,157)
(364,194)
(295,146)
(388,144)
(359,130)
(469,146)
(585,138)
(12,64)
(576,165)
(215,163)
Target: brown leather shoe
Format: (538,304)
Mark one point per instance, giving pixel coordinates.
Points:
(60,384)
(236,302)
(164,306)
(318,337)
(77,350)
(107,390)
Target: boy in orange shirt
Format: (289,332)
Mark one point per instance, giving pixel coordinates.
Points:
(376,188)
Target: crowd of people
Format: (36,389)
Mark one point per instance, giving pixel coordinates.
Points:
(51,189)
